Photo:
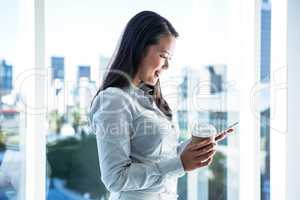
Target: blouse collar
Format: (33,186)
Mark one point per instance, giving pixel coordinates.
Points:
(142,89)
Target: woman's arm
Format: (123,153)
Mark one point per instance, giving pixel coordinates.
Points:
(112,122)
(182,145)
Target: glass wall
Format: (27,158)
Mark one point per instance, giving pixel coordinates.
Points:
(201,85)
(213,94)
(79,43)
(11,115)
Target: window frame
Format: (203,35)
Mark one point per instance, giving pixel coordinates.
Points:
(35,144)
(32,41)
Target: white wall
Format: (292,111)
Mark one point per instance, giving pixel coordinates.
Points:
(293,137)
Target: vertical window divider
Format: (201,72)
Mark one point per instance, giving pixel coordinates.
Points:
(249,120)
(41,95)
(293,99)
(33,63)
(278,100)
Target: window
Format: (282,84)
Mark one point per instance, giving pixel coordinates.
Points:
(225,48)
(76,73)
(12,169)
(265,57)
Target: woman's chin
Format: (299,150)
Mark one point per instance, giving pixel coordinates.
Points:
(152,81)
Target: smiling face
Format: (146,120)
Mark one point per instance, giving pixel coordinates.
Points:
(155,61)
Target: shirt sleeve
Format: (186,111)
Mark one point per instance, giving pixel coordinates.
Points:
(182,145)
(112,122)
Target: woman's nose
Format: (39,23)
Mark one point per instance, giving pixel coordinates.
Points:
(166,65)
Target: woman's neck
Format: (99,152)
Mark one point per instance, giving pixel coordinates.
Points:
(136,82)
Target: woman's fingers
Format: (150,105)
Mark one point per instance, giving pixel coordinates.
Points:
(199,154)
(205,150)
(201,144)
(205,156)
(208,162)
(205,163)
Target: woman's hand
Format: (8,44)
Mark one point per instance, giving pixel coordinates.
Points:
(198,155)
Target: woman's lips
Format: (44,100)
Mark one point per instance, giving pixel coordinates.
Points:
(156,74)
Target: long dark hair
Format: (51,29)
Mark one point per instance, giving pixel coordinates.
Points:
(142,30)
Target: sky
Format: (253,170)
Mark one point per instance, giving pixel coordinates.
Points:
(8,29)
(81,31)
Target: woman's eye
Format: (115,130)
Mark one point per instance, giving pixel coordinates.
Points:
(165,57)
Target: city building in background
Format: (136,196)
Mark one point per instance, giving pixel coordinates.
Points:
(9,116)
(57,94)
(85,89)
(265,40)
(5,79)
(84,72)
(10,123)
(58,68)
(265,65)
(182,112)
(71,151)
(216,74)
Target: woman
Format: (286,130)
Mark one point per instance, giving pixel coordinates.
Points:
(137,140)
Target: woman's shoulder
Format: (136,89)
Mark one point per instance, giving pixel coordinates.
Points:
(114,95)
(113,92)
(111,98)
(111,101)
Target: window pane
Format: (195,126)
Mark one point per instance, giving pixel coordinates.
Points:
(79,43)
(11,116)
(213,94)
(265,55)
(207,97)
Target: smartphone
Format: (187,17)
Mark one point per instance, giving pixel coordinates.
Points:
(227,129)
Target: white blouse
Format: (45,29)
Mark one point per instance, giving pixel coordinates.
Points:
(138,151)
